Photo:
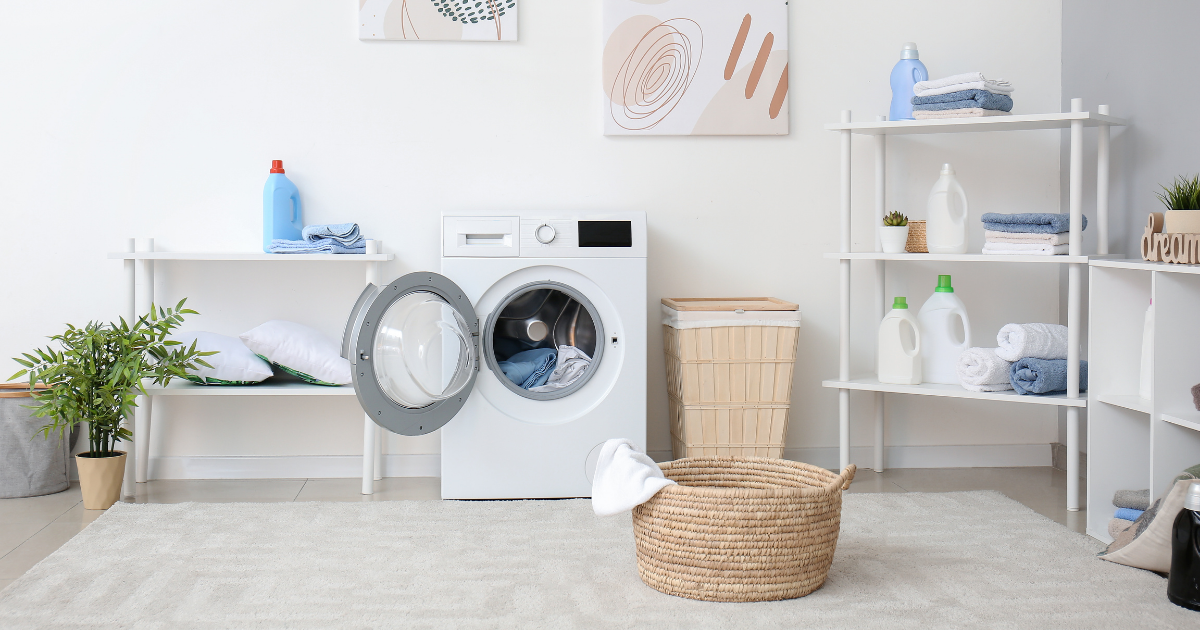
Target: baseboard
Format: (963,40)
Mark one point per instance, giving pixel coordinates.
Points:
(290,467)
(1058,458)
(948,456)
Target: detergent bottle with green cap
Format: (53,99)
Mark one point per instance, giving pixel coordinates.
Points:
(282,216)
(945,333)
(899,346)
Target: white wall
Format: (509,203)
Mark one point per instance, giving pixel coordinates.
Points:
(159,119)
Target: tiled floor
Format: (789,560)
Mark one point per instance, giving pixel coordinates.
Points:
(31,529)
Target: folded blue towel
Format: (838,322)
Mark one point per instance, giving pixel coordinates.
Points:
(320,246)
(1128,514)
(964,99)
(1043,376)
(1029,222)
(530,368)
(345,233)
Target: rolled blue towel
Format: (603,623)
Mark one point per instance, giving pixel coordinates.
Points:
(1043,376)
(963,99)
(1029,222)
(321,246)
(530,368)
(347,234)
(1128,514)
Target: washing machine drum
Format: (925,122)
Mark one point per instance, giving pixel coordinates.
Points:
(414,349)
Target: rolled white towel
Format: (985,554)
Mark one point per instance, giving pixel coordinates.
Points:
(1032,341)
(980,370)
(960,82)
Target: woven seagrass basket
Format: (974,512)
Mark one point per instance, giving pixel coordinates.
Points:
(740,529)
(916,238)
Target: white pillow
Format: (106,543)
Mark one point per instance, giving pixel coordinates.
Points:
(300,351)
(234,363)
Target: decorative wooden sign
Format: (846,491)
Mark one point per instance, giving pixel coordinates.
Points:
(1178,248)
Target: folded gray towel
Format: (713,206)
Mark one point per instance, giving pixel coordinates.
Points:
(1132,499)
(964,99)
(1029,222)
(1044,376)
(347,234)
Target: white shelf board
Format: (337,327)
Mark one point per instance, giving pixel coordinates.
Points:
(872,384)
(1187,418)
(1134,403)
(187,388)
(959,258)
(249,256)
(1015,122)
(1145,265)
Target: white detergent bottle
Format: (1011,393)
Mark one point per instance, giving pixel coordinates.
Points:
(946,225)
(940,345)
(1145,374)
(900,346)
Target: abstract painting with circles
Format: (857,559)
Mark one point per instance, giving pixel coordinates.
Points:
(695,67)
(438,20)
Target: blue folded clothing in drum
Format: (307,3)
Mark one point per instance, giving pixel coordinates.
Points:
(530,368)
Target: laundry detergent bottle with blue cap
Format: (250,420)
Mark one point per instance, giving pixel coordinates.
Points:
(282,217)
(908,72)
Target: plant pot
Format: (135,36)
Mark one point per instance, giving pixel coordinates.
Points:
(100,480)
(893,238)
(1182,222)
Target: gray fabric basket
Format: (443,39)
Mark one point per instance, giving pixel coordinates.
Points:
(30,465)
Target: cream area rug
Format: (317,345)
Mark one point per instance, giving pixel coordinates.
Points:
(956,560)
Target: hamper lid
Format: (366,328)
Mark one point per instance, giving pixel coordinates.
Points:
(718,312)
(17,390)
(730,304)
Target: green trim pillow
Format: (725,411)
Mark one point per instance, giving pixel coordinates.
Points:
(300,351)
(233,364)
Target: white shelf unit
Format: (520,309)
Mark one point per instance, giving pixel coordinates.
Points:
(1135,443)
(1075,120)
(139,295)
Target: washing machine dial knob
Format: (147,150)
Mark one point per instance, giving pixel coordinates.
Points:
(545,233)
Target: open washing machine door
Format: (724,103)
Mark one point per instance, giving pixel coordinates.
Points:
(414,349)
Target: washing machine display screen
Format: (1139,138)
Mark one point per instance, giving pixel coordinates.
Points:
(422,350)
(605,234)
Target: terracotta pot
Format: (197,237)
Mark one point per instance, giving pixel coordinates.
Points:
(100,480)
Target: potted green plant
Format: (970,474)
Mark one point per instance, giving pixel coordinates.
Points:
(95,377)
(1182,199)
(894,233)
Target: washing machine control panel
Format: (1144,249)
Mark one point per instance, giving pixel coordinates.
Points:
(584,235)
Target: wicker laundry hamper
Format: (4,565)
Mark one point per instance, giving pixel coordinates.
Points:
(729,374)
(740,529)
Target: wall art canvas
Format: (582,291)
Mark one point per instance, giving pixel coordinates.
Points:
(438,20)
(695,67)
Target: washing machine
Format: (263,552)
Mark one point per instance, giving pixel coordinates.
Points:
(450,350)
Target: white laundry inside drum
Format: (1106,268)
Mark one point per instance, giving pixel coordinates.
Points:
(571,365)
(421,354)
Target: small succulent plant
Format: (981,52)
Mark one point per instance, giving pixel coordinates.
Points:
(895,219)
(1183,194)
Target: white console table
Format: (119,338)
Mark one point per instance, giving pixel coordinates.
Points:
(139,296)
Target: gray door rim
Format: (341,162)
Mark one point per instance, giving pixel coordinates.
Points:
(490,355)
(383,410)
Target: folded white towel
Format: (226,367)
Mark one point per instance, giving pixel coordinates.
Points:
(980,370)
(625,478)
(1022,249)
(966,112)
(1032,341)
(960,82)
(1062,238)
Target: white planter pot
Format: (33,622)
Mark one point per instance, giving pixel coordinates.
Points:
(893,238)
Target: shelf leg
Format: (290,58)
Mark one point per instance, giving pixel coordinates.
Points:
(368,470)
(139,452)
(1072,459)
(1102,163)
(879,423)
(881,308)
(880,184)
(141,436)
(843,428)
(844,270)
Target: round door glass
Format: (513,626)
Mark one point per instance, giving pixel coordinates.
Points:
(422,350)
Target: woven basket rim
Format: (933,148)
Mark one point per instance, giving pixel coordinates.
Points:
(836,483)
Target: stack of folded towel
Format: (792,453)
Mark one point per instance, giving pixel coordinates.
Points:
(1130,505)
(331,238)
(1036,233)
(967,95)
(1031,359)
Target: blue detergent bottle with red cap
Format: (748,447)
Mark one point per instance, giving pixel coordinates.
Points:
(282,216)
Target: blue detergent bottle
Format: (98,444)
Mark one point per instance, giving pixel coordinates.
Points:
(282,217)
(908,72)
